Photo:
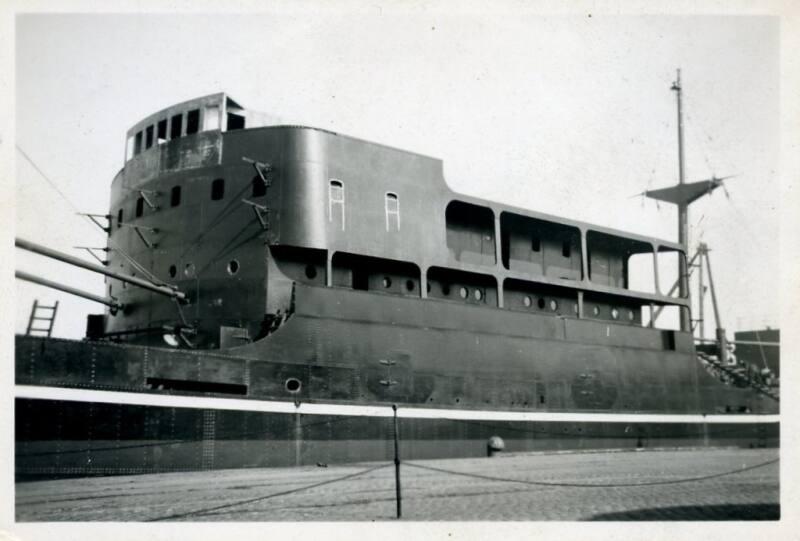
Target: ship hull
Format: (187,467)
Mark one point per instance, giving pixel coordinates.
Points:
(63,438)
(321,389)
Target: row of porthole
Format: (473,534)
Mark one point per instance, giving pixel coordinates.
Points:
(527,301)
(410,284)
(463,292)
(189,270)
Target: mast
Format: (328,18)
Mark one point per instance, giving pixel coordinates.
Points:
(682,195)
(683,210)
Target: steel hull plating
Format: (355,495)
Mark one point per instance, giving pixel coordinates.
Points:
(108,439)
(536,381)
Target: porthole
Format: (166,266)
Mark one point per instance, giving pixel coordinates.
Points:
(526,300)
(387,282)
(188,270)
(596,310)
(540,304)
(630,315)
(410,285)
(445,289)
(614,313)
(173,270)
(553,305)
(233,267)
(293,385)
(463,292)
(478,295)
(311,272)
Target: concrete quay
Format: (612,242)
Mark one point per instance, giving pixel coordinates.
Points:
(661,485)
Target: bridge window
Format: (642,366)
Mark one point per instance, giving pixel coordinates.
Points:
(192,121)
(176,127)
(211,118)
(259,188)
(336,202)
(392,207)
(139,207)
(148,139)
(137,145)
(235,122)
(175,196)
(119,217)
(161,134)
(129,149)
(218,189)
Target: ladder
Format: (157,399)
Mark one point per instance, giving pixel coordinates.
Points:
(38,308)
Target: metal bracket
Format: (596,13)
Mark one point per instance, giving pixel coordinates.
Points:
(261,212)
(146,199)
(388,363)
(94,255)
(262,170)
(94,217)
(138,229)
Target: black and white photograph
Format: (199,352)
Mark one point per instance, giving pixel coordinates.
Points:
(419,266)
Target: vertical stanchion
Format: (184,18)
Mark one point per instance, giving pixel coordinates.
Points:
(397,464)
(298,436)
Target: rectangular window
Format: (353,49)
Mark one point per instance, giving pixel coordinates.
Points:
(137,145)
(218,189)
(536,244)
(392,207)
(336,202)
(566,248)
(192,121)
(175,196)
(148,140)
(139,207)
(259,188)
(211,118)
(176,129)
(235,122)
(129,149)
(162,131)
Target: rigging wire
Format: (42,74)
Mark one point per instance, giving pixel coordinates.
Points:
(150,276)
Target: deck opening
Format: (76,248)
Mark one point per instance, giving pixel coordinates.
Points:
(196,386)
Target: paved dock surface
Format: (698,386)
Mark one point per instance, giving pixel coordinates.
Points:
(706,484)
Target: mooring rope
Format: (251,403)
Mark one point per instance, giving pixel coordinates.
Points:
(593,485)
(207,510)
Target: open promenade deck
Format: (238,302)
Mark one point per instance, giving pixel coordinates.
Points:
(695,484)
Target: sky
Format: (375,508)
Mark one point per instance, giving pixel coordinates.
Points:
(568,115)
